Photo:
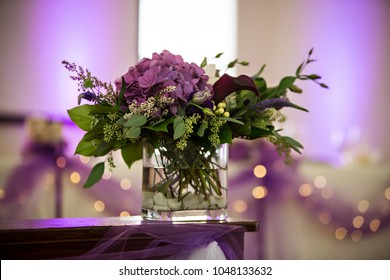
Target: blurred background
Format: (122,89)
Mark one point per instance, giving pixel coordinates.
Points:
(332,203)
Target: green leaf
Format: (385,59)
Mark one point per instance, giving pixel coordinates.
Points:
(258,73)
(95,175)
(102,109)
(121,93)
(121,121)
(225,134)
(204,63)
(243,63)
(261,84)
(231,120)
(232,64)
(131,152)
(299,69)
(295,89)
(161,126)
(80,115)
(324,85)
(284,84)
(104,148)
(86,148)
(259,133)
(201,130)
(294,144)
(135,120)
(133,133)
(178,127)
(219,55)
(88,83)
(241,130)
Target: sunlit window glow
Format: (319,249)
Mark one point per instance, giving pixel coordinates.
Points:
(206,29)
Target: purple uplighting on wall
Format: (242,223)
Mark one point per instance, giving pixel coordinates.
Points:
(351,41)
(41,33)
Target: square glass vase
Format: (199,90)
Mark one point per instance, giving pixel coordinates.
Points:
(187,184)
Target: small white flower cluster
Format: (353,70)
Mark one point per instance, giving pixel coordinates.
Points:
(146,108)
(152,104)
(158,201)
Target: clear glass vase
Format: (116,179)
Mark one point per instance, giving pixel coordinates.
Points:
(184,185)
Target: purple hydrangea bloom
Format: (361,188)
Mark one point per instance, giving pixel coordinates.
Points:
(150,76)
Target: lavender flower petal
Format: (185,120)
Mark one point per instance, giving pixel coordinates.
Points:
(276,103)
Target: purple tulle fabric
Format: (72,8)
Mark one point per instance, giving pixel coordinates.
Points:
(38,160)
(170,241)
(178,241)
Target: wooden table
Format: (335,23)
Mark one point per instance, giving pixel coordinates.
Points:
(61,238)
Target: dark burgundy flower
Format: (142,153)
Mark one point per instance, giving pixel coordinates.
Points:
(228,84)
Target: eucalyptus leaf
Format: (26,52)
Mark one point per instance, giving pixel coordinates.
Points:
(225,134)
(121,121)
(133,133)
(135,120)
(95,175)
(178,120)
(201,130)
(179,131)
(131,152)
(178,127)
(160,126)
(103,149)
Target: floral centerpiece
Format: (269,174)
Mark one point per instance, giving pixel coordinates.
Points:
(178,118)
